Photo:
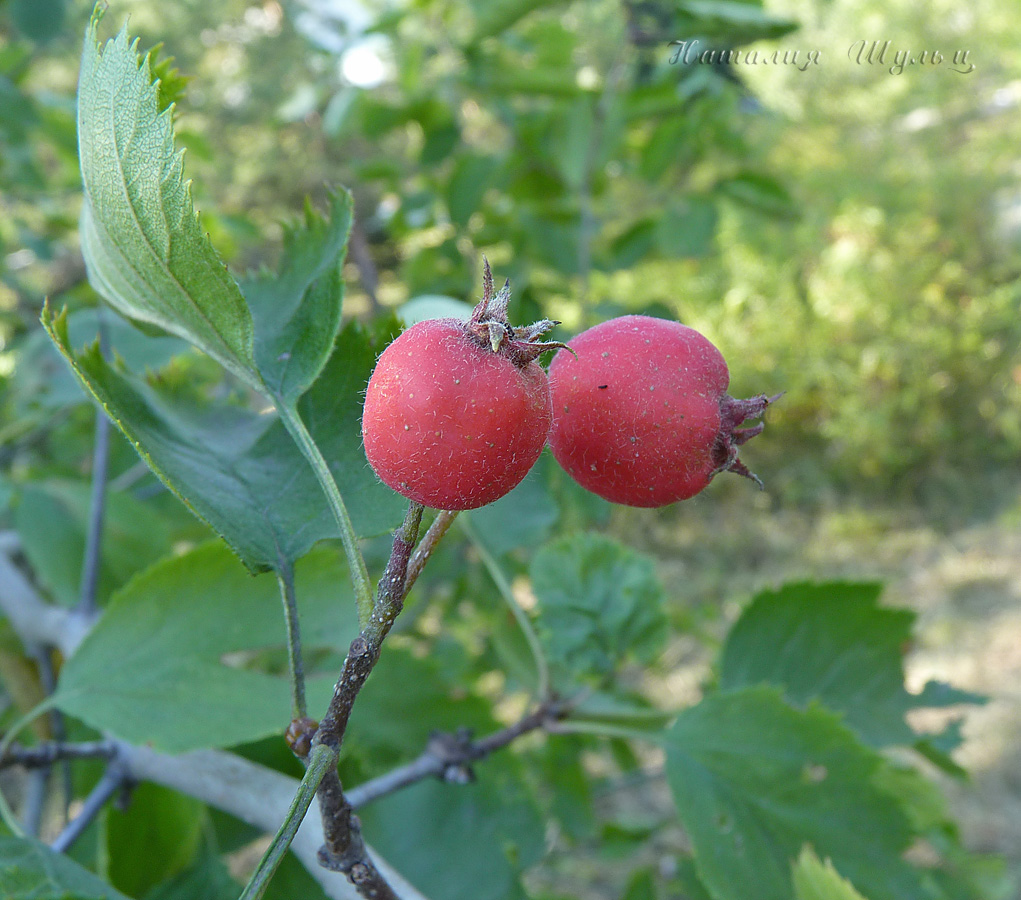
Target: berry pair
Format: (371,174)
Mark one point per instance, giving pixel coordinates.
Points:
(634,409)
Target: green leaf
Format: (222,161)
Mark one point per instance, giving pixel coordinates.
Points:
(833,643)
(460,842)
(471,178)
(171,82)
(633,244)
(494,17)
(522,518)
(207,879)
(960,874)
(816,880)
(41,379)
(732,21)
(687,228)
(38,20)
(240,471)
(30,870)
(51,519)
(600,604)
(761,193)
(143,246)
(296,311)
(570,144)
(162,666)
(755,779)
(641,886)
(155,838)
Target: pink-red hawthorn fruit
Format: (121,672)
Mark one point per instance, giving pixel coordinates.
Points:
(456,412)
(641,415)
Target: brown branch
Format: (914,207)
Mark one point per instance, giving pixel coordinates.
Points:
(344,849)
(439,527)
(44,755)
(361,256)
(449,756)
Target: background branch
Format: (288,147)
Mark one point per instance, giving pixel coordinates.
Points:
(256,795)
(97,501)
(449,756)
(47,754)
(114,778)
(36,621)
(361,256)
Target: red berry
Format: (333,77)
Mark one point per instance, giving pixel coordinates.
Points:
(456,413)
(641,416)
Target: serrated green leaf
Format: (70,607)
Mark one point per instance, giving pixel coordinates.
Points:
(817,880)
(831,642)
(155,668)
(960,873)
(143,246)
(296,311)
(600,605)
(755,779)
(153,839)
(460,842)
(171,82)
(240,471)
(30,870)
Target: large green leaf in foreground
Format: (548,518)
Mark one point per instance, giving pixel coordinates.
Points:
(834,643)
(755,779)
(817,880)
(30,870)
(155,668)
(143,246)
(240,471)
(460,842)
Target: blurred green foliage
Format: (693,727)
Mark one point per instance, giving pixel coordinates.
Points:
(842,233)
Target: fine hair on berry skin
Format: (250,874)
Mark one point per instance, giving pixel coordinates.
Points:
(641,415)
(456,413)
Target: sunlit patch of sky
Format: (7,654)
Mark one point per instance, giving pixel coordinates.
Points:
(338,26)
